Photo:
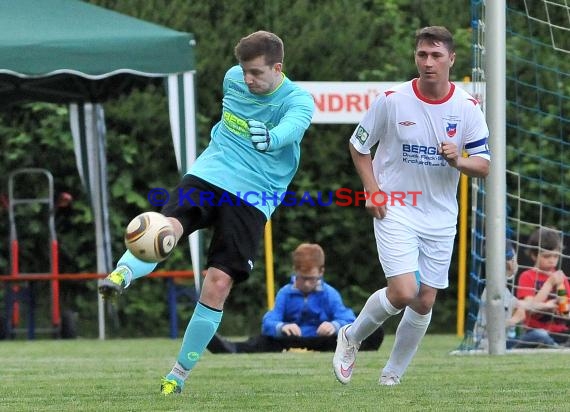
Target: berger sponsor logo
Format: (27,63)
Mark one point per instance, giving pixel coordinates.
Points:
(417,148)
(422,155)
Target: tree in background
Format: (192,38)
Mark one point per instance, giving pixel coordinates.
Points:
(337,40)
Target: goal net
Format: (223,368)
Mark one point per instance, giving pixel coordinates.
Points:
(538,139)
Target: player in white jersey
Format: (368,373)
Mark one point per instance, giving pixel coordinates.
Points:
(420,128)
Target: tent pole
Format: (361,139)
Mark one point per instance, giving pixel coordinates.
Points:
(87,121)
(182,112)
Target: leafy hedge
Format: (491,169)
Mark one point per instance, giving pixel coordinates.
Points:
(338,40)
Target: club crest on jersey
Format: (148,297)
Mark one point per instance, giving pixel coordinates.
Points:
(451,129)
(361,134)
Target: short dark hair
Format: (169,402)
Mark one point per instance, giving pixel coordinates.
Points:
(544,239)
(260,43)
(436,34)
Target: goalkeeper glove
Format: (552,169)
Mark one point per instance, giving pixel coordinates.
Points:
(259,135)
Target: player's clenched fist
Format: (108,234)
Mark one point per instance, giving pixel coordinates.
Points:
(449,152)
(259,135)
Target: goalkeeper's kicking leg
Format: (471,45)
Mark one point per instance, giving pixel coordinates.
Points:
(129,268)
(237,232)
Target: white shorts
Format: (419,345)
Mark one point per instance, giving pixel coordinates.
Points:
(402,250)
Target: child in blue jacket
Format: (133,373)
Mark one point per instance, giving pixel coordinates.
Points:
(308,313)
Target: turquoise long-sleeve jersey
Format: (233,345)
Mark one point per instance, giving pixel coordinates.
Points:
(231,162)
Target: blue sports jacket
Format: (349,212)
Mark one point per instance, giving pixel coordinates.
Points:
(292,306)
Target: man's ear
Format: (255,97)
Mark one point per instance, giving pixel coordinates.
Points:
(452,59)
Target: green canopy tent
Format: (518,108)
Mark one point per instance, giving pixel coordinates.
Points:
(72,52)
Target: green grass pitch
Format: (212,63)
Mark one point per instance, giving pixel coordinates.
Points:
(124,375)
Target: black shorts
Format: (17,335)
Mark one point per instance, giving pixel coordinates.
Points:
(237,226)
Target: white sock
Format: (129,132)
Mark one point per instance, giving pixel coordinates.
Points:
(179,371)
(374,313)
(409,334)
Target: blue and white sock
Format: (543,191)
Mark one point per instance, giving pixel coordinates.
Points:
(179,374)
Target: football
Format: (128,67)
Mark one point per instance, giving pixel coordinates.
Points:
(150,237)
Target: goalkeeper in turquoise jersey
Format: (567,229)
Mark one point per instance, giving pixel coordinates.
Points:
(233,187)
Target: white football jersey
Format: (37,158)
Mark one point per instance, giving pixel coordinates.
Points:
(420,186)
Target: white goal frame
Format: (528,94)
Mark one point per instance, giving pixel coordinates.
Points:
(496,186)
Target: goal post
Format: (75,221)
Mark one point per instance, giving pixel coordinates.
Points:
(521,73)
(495,202)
